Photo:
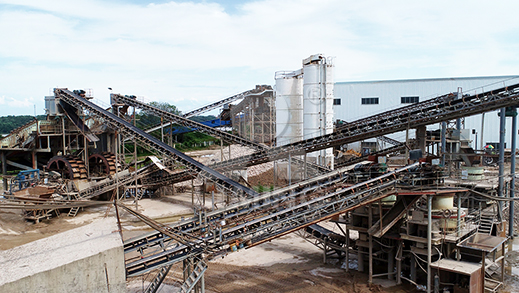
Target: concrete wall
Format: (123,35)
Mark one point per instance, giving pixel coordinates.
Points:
(85,259)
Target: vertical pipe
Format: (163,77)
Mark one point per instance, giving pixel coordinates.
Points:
(161,129)
(85,145)
(503,247)
(512,181)
(483,258)
(502,130)
(135,157)
(444,142)
(429,241)
(481,134)
(370,238)
(459,96)
(390,263)
(221,149)
(212,200)
(275,175)
(413,268)
(4,169)
(289,169)
(458,217)
(63,129)
(406,142)
(347,260)
(202,283)
(117,162)
(399,263)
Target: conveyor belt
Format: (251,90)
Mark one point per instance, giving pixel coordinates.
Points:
(258,91)
(129,130)
(383,152)
(261,219)
(443,108)
(211,123)
(383,138)
(130,101)
(324,239)
(116,98)
(83,128)
(263,201)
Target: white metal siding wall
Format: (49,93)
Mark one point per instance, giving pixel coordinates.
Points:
(390,93)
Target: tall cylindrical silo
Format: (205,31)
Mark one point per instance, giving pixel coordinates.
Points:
(289,107)
(318,104)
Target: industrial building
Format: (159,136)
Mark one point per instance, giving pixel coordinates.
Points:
(355,100)
(410,208)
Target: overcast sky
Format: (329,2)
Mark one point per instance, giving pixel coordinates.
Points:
(189,53)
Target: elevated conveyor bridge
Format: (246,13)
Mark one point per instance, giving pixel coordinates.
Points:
(443,108)
(260,219)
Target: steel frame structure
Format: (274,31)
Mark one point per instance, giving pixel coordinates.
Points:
(258,220)
(443,108)
(130,130)
(130,101)
(117,98)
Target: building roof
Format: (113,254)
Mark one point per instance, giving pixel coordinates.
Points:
(499,77)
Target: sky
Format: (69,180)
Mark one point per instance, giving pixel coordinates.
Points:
(191,53)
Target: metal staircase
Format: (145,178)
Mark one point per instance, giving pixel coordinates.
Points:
(73,211)
(486,222)
(159,278)
(194,277)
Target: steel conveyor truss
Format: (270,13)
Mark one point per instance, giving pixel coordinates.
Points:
(258,91)
(443,108)
(432,111)
(257,220)
(116,98)
(129,130)
(130,101)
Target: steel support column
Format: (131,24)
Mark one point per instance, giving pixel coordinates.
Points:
(512,181)
(429,241)
(502,131)
(444,142)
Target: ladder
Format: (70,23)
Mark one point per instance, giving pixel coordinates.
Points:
(192,279)
(486,222)
(73,211)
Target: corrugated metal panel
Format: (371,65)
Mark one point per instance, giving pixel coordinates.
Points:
(390,93)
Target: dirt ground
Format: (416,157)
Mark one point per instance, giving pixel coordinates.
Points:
(287,264)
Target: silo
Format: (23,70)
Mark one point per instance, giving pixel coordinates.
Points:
(289,107)
(318,104)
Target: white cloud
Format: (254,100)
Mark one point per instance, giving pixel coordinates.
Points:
(195,52)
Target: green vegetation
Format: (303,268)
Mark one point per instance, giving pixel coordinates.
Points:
(184,142)
(11,122)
